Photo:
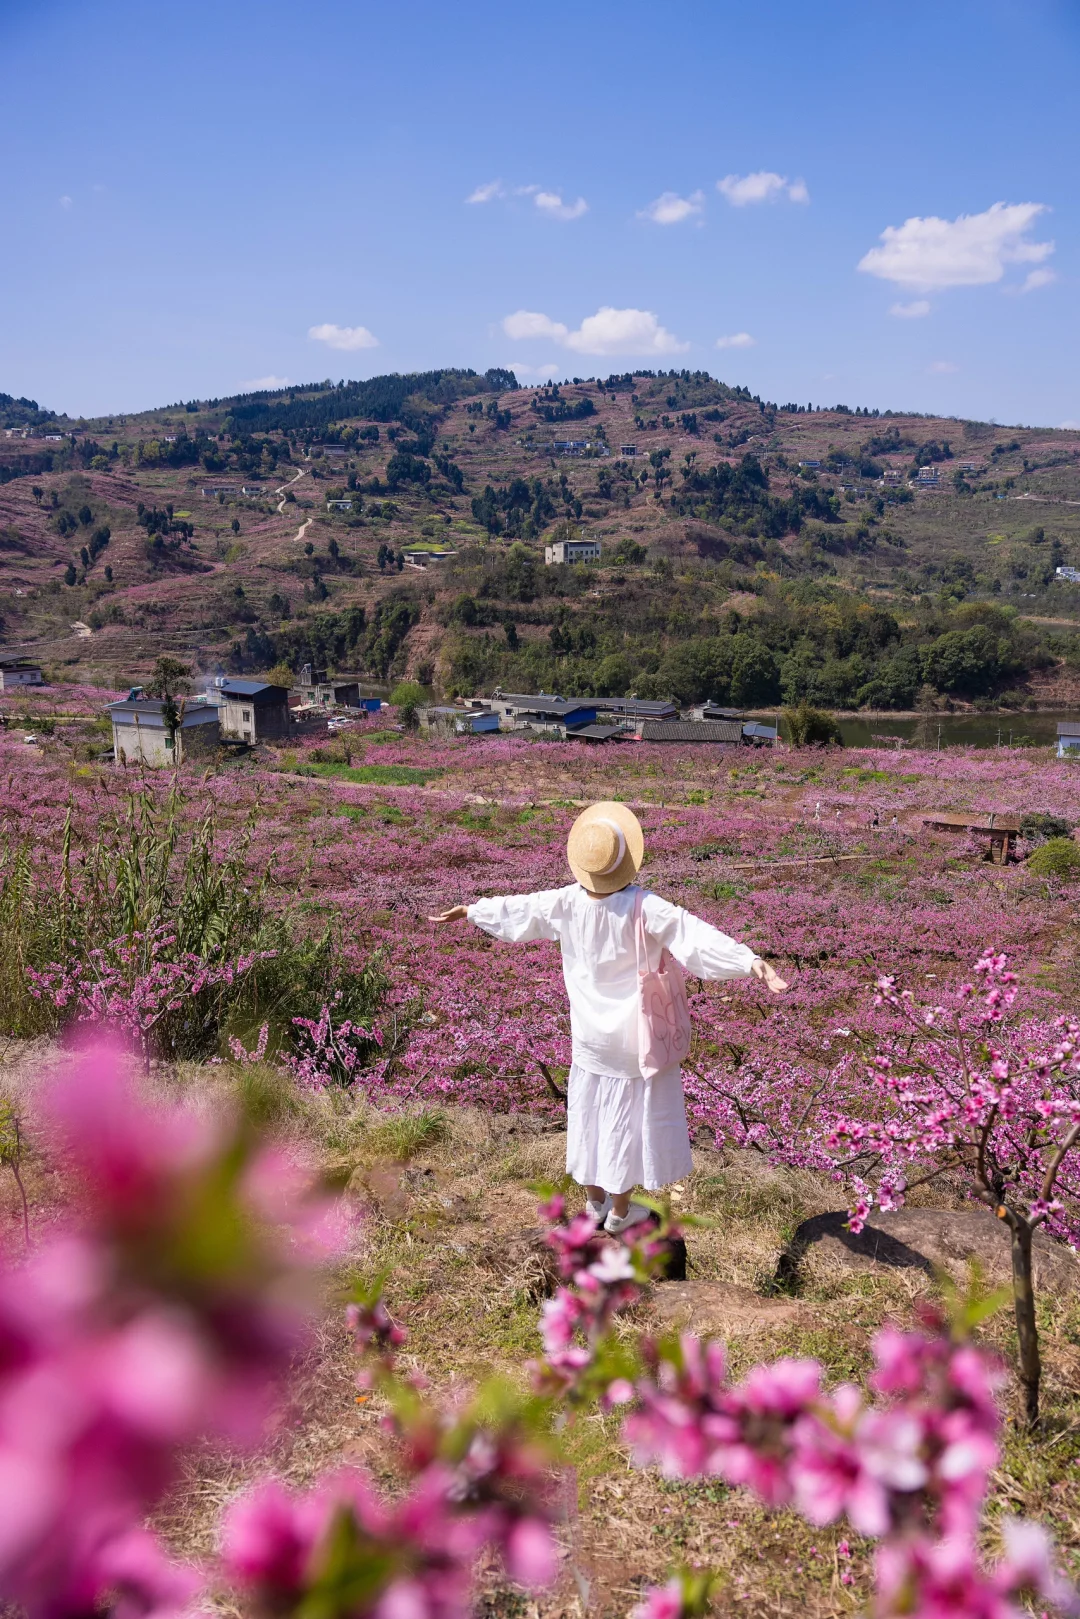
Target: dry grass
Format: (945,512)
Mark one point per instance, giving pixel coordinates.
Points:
(449,1217)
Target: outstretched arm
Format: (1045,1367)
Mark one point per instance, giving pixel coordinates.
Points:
(702,949)
(513,917)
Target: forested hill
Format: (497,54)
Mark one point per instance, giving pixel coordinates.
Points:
(750,550)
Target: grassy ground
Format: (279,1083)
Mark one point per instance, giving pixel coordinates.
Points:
(448,1214)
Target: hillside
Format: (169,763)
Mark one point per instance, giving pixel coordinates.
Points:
(732,564)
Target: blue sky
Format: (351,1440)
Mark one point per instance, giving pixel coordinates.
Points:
(860,202)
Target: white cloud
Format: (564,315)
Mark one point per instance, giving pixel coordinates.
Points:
(942,368)
(550,202)
(525,323)
(608,332)
(736,340)
(65,202)
(344,337)
(913,311)
(671,209)
(762,186)
(520,369)
(487,193)
(1038,278)
(970,251)
(265,384)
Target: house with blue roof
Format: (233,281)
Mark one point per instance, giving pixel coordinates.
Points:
(249,710)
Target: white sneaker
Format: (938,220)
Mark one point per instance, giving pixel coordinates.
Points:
(598,1211)
(616,1224)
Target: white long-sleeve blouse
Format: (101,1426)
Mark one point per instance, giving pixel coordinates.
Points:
(600,959)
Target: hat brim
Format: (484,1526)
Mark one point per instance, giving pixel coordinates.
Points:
(610,881)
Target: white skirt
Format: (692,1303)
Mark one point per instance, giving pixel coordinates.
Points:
(622,1133)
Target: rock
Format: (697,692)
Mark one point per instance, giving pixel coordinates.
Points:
(721,1309)
(928,1239)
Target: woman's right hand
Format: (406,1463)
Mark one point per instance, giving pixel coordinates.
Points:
(454,914)
(769,976)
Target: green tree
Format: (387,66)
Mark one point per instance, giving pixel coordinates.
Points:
(806,725)
(280,675)
(755,677)
(407,696)
(170,678)
(69,574)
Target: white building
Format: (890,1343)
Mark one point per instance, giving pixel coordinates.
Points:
(15,673)
(1068,576)
(572,551)
(141,736)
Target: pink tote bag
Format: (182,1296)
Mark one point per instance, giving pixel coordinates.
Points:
(663,1015)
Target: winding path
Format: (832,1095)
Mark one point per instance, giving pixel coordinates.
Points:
(302,530)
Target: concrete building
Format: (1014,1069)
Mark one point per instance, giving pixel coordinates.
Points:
(419,556)
(340,505)
(520,711)
(140,735)
(16,672)
(459,721)
(1068,745)
(572,551)
(317,689)
(250,710)
(1067,576)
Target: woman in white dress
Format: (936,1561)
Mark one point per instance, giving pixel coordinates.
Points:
(622,1130)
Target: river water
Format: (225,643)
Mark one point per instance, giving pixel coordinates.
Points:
(955,730)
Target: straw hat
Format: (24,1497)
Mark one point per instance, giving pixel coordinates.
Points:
(605,847)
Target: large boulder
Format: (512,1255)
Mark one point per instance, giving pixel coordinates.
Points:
(926,1240)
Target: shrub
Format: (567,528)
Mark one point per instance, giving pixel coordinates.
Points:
(806,725)
(1057,857)
(152,926)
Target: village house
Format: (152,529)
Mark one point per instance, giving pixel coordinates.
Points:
(419,556)
(249,710)
(17,672)
(341,504)
(1067,576)
(926,478)
(141,736)
(636,708)
(451,720)
(572,551)
(690,731)
(318,690)
(520,711)
(1068,746)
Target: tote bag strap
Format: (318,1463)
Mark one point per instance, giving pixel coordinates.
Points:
(641,942)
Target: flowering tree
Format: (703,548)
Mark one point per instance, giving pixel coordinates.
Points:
(907,1463)
(959,1090)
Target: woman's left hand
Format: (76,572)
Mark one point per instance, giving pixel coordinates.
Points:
(769,977)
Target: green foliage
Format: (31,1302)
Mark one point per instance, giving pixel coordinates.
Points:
(806,726)
(170,678)
(402,1136)
(1039,827)
(152,870)
(1057,857)
(386,775)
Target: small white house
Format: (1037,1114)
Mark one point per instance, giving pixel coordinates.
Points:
(343,505)
(572,551)
(1067,576)
(1068,739)
(15,673)
(140,735)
